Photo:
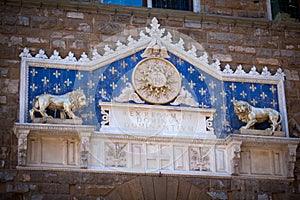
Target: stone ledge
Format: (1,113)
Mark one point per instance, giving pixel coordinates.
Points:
(261,132)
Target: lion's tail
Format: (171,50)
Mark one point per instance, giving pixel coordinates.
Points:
(278,124)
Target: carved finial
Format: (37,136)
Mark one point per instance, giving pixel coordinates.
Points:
(120,45)
(168,37)
(70,57)
(239,70)
(142,36)
(41,54)
(180,44)
(193,51)
(107,50)
(154,31)
(95,54)
(216,65)
(227,69)
(265,72)
(55,55)
(280,73)
(204,57)
(155,47)
(130,40)
(25,53)
(253,71)
(84,58)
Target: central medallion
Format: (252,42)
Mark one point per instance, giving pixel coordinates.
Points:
(156,80)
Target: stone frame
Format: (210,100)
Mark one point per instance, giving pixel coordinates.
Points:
(226,155)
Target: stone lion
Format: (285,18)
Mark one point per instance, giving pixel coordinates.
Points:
(252,115)
(66,103)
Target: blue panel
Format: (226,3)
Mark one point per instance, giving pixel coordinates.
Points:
(107,82)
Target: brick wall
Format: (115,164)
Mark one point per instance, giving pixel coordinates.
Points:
(79,26)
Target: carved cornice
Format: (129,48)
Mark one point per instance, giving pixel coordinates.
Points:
(146,38)
(262,140)
(57,128)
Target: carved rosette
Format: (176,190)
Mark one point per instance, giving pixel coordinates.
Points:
(156,80)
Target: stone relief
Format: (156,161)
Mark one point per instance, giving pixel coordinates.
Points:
(156,80)
(186,98)
(115,154)
(199,159)
(128,94)
(65,104)
(252,115)
(236,159)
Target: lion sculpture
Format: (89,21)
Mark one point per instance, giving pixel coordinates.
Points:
(67,103)
(252,115)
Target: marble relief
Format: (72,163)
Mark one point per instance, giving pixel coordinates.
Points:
(151,105)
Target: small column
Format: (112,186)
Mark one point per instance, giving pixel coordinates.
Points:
(292,151)
(84,149)
(22,145)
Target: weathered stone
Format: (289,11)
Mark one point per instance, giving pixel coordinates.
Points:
(85,27)
(5,176)
(44,22)
(109,28)
(225,37)
(36,40)
(267,61)
(77,189)
(96,190)
(14,40)
(136,189)
(9,86)
(17,187)
(147,185)
(23,21)
(54,188)
(59,44)
(222,57)
(242,49)
(3,99)
(192,24)
(172,187)
(183,189)
(160,188)
(75,15)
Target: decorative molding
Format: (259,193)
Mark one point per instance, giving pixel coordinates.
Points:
(153,36)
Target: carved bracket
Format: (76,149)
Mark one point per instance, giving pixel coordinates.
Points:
(22,145)
(234,152)
(84,149)
(292,151)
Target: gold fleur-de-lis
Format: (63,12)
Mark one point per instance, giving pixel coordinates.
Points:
(33,87)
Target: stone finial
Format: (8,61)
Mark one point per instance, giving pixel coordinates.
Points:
(41,54)
(239,70)
(25,53)
(70,57)
(55,55)
(84,58)
(227,69)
